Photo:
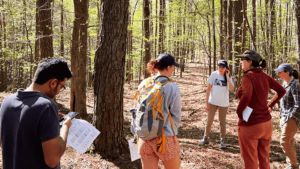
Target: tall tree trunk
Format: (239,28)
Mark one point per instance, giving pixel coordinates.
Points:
(156,29)
(238,21)
(46,42)
(229,32)
(224,46)
(109,79)
(161,26)
(297,9)
(146,25)
(209,46)
(80,105)
(62,47)
(37,37)
(75,54)
(214,33)
(253,20)
(221,30)
(271,47)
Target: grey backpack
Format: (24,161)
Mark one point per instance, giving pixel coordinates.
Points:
(148,119)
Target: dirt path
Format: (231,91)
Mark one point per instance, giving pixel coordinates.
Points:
(191,131)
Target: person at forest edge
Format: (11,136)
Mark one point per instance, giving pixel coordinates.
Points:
(164,65)
(217,97)
(255,135)
(29,125)
(290,112)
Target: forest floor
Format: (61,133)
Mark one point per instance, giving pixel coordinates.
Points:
(193,88)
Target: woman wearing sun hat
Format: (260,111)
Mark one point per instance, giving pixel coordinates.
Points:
(217,97)
(290,112)
(255,134)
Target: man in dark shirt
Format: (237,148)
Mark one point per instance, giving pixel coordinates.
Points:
(29,126)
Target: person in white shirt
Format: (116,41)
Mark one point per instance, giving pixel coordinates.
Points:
(217,97)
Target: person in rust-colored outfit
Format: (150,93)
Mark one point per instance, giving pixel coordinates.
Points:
(255,134)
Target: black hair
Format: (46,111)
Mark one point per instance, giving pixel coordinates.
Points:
(295,74)
(225,77)
(51,68)
(262,63)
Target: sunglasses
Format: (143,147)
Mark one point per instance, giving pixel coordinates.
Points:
(62,86)
(243,59)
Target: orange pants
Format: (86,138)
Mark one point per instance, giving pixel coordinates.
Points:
(254,143)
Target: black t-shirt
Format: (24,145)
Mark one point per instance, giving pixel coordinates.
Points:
(26,120)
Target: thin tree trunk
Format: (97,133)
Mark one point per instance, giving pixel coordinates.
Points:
(37,35)
(75,54)
(46,42)
(253,20)
(229,33)
(109,79)
(221,30)
(161,25)
(209,46)
(225,16)
(62,29)
(238,21)
(146,25)
(297,9)
(214,34)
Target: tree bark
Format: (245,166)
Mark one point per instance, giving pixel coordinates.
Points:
(75,54)
(221,30)
(146,16)
(238,21)
(62,47)
(229,33)
(253,20)
(161,26)
(46,41)
(109,79)
(214,33)
(37,37)
(82,60)
(297,9)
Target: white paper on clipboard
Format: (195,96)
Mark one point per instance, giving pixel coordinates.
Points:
(134,150)
(246,113)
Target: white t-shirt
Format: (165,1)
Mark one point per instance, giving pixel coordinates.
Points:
(219,94)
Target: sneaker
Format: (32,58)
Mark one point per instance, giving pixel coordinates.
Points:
(223,145)
(204,141)
(291,166)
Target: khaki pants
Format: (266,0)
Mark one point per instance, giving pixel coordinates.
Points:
(210,119)
(288,131)
(254,143)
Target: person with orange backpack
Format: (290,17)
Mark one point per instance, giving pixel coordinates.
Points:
(157,115)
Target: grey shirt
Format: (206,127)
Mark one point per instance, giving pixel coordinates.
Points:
(26,120)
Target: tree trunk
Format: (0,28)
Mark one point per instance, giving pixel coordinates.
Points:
(238,21)
(80,105)
(229,33)
(109,79)
(146,25)
(46,42)
(253,20)
(161,26)
(224,46)
(221,30)
(62,47)
(271,47)
(297,9)
(209,46)
(214,34)
(75,54)
(37,37)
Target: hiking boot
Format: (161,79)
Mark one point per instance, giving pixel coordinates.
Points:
(291,166)
(204,141)
(223,145)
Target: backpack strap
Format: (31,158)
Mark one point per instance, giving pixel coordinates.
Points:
(161,140)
